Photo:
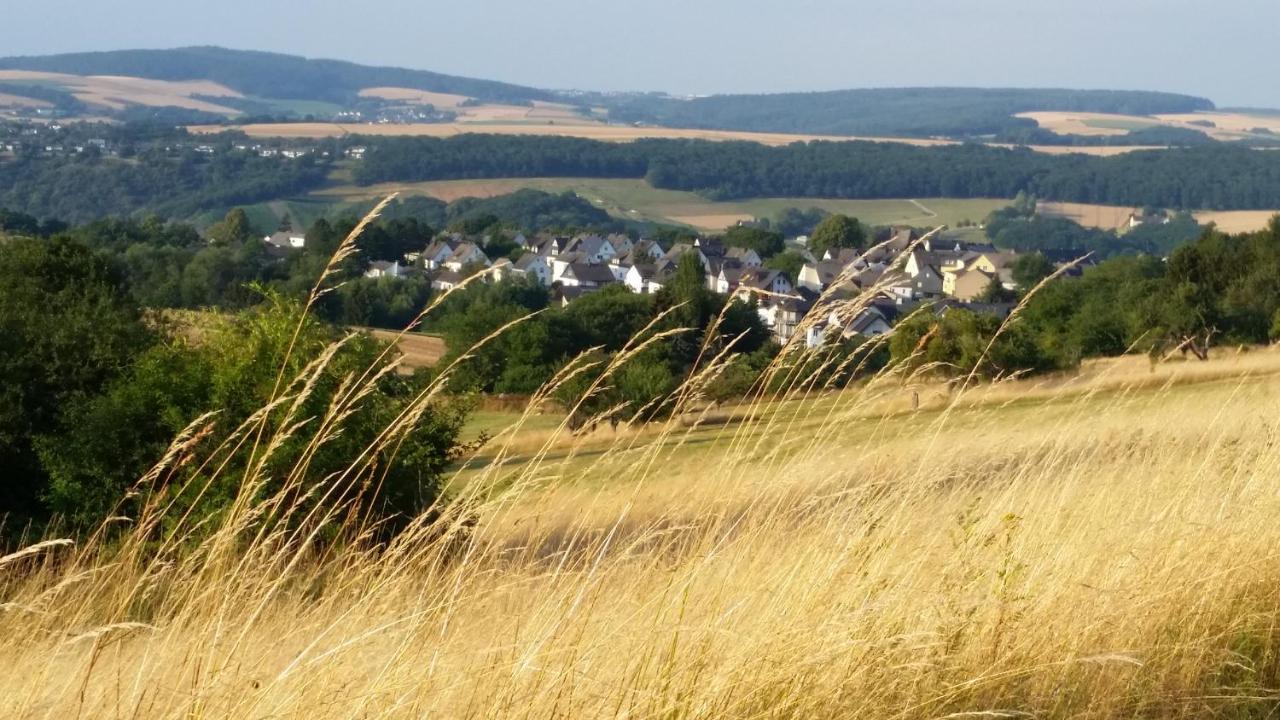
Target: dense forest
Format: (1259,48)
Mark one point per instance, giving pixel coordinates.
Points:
(911,112)
(1215,176)
(269,75)
(83,187)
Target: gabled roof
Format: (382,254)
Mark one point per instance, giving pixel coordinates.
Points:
(588,244)
(844,256)
(710,246)
(438,247)
(731,274)
(678,250)
(646,271)
(598,274)
(448,277)
(826,270)
(528,260)
(758,278)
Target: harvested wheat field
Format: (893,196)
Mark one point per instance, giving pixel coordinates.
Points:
(1085,123)
(1237,221)
(7,100)
(592,131)
(469,112)
(1221,126)
(1104,217)
(118,92)
(1230,122)
(444,101)
(1114,217)
(531,122)
(1100,544)
(637,200)
(416,349)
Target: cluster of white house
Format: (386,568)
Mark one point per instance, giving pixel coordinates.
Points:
(903,271)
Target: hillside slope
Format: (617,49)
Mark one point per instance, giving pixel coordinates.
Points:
(915,112)
(265,74)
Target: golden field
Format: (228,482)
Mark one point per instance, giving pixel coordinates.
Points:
(1115,217)
(591,131)
(533,122)
(116,92)
(637,200)
(1098,544)
(1225,126)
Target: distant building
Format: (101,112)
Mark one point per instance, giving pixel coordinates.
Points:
(286,240)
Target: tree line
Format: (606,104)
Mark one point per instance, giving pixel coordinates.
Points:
(87,186)
(1218,176)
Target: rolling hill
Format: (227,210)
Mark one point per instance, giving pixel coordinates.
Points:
(268,75)
(222,83)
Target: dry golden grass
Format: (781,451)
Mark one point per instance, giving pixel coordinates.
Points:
(1114,217)
(1230,122)
(1237,221)
(416,349)
(1226,126)
(7,100)
(530,124)
(1077,123)
(440,100)
(608,133)
(1106,217)
(539,112)
(1100,545)
(116,92)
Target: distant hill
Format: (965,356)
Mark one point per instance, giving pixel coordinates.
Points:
(269,75)
(218,83)
(911,112)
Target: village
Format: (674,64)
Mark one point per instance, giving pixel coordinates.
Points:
(904,271)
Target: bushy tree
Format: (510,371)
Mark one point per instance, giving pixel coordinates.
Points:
(233,229)
(68,326)
(789,263)
(766,243)
(836,232)
(1029,269)
(106,442)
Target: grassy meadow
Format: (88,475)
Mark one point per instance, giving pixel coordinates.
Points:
(637,200)
(1095,544)
(1098,544)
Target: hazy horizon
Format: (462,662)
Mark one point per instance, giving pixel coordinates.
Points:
(718,46)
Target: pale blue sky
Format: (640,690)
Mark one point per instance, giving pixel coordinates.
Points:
(1224,49)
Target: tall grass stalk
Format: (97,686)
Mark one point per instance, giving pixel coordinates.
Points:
(1096,545)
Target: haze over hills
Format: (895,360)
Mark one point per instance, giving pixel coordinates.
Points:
(285,86)
(268,74)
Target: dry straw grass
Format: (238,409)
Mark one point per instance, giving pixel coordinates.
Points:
(1092,546)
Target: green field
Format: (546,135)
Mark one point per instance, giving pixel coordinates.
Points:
(636,200)
(1120,124)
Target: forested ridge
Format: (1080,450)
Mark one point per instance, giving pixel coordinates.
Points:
(1216,176)
(913,112)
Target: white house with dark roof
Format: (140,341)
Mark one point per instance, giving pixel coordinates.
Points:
(581,274)
(385,269)
(286,240)
(760,281)
(437,252)
(534,266)
(466,254)
(446,280)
